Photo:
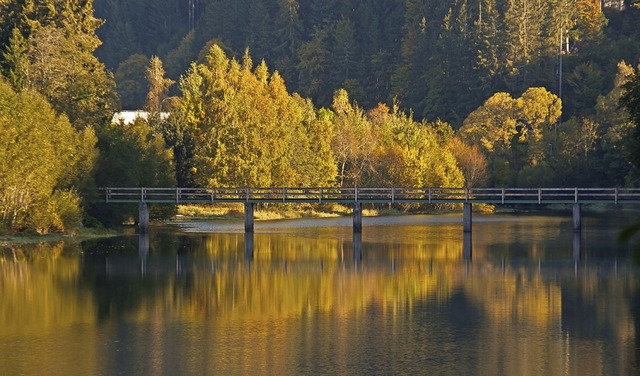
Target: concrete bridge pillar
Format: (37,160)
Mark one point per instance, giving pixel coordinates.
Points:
(466,217)
(357,218)
(143,218)
(248,216)
(577,222)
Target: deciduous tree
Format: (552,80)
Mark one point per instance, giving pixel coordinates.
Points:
(158,87)
(511,130)
(247,130)
(131,83)
(44,161)
(631,101)
(471,161)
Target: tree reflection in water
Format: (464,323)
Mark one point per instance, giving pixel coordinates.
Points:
(318,300)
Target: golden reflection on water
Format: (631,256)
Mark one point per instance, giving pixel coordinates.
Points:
(302,302)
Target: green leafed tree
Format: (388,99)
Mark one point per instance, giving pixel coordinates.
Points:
(44,161)
(71,78)
(178,59)
(131,83)
(631,101)
(260,38)
(121,28)
(573,162)
(344,62)
(60,40)
(132,155)
(616,127)
(17,60)
(522,22)
(314,56)
(487,35)
(584,84)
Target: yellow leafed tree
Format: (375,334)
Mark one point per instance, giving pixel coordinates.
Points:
(42,160)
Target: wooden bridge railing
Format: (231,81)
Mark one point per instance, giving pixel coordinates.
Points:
(373,195)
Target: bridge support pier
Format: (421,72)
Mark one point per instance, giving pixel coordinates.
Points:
(466,217)
(143,218)
(577,222)
(248,216)
(357,218)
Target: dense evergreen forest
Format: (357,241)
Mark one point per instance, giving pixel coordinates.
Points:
(441,59)
(309,92)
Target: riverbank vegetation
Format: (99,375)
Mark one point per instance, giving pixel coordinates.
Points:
(279,211)
(308,93)
(10,241)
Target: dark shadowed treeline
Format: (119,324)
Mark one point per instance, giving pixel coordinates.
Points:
(442,59)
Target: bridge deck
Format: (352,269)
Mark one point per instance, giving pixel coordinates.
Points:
(374,195)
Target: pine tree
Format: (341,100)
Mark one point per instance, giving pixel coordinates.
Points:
(314,56)
(261,30)
(344,60)
(17,61)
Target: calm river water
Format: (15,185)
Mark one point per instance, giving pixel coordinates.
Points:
(525,297)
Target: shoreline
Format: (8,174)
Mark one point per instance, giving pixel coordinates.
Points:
(8,241)
(200,213)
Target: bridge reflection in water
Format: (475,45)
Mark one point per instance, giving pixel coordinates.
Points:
(466,252)
(299,302)
(356,251)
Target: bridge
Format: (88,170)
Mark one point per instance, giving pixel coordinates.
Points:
(358,196)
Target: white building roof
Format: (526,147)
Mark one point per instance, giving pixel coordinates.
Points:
(129,117)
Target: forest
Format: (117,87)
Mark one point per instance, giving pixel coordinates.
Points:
(309,93)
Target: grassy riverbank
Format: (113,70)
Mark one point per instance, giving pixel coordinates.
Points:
(274,211)
(81,235)
(291,211)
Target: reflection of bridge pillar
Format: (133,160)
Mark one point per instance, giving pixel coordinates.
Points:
(248,216)
(577,223)
(248,246)
(143,251)
(466,246)
(143,218)
(466,217)
(357,246)
(577,245)
(357,218)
